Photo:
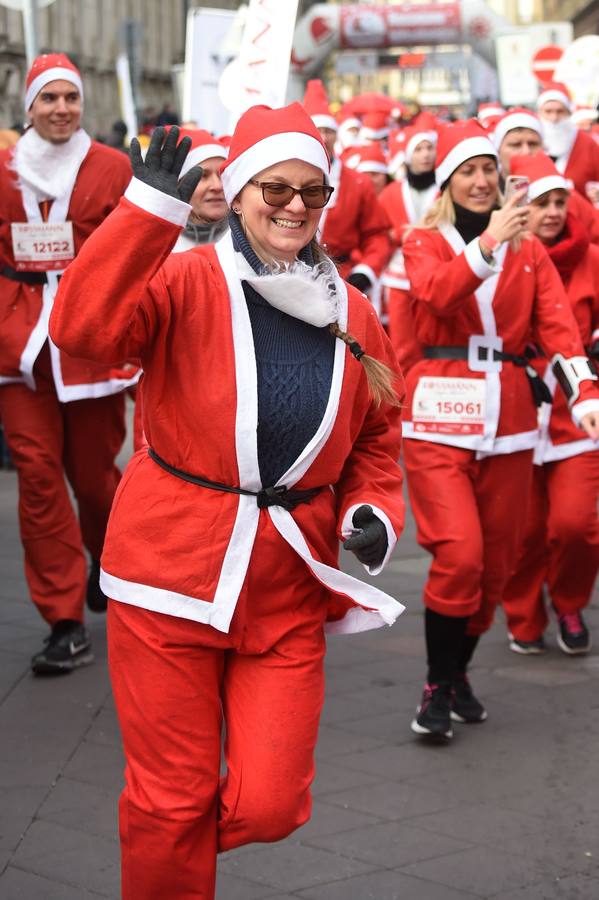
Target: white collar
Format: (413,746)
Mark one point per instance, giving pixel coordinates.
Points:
(50,169)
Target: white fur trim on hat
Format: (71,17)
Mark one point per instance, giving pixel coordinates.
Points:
(546,96)
(548,183)
(270,150)
(490,111)
(371,166)
(430,136)
(584,115)
(198,155)
(60,73)
(373,134)
(474,146)
(324,121)
(516,120)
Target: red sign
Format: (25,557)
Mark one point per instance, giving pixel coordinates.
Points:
(402,23)
(412,60)
(545,61)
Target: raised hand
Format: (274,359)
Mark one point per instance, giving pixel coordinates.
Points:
(163,163)
(509,221)
(369,543)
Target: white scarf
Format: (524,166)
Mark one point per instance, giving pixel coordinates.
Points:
(50,169)
(296,289)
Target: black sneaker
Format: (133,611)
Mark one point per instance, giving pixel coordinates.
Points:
(527,648)
(434,713)
(464,705)
(573,635)
(67,648)
(95,597)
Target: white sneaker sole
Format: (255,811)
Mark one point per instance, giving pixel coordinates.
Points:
(425,732)
(570,651)
(526,651)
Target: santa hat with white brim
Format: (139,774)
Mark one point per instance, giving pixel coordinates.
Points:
(584,114)
(369,158)
(488,110)
(519,117)
(415,136)
(264,137)
(556,91)
(203,146)
(541,172)
(457,143)
(50,67)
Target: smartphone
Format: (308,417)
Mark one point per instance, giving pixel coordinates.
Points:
(515,183)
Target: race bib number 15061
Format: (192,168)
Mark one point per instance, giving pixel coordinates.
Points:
(449,405)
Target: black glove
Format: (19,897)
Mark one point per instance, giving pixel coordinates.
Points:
(370,543)
(163,162)
(593,350)
(360,281)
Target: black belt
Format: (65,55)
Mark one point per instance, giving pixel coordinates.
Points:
(24,277)
(272,496)
(540,391)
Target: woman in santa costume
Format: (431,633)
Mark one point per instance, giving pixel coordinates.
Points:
(560,547)
(208,218)
(406,201)
(273,427)
(480,294)
(62,415)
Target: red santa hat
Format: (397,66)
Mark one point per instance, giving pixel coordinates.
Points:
(457,143)
(50,67)
(518,117)
(375,126)
(203,146)
(488,110)
(370,158)
(413,136)
(316,104)
(541,173)
(556,91)
(396,150)
(265,136)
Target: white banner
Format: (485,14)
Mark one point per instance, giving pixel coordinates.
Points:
(579,70)
(126,101)
(206,55)
(517,83)
(261,71)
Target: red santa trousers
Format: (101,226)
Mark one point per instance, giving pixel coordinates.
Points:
(174,681)
(467,517)
(560,547)
(47,439)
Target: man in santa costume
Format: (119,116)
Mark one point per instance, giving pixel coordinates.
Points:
(521,132)
(61,415)
(353,228)
(575,153)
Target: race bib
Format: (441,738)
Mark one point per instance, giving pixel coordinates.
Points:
(449,405)
(42,246)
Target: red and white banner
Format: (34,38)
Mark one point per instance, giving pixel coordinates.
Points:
(387,26)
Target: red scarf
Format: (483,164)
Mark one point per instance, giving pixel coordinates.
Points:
(570,248)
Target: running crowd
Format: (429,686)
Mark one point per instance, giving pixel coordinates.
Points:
(345,271)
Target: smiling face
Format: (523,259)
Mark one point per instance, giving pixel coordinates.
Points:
(208,200)
(474,184)
(547,215)
(279,232)
(56,111)
(523,141)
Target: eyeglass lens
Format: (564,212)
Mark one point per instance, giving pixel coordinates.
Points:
(313,197)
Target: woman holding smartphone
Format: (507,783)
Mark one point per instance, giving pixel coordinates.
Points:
(480,293)
(560,547)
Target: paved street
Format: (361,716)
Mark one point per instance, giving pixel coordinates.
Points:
(509,811)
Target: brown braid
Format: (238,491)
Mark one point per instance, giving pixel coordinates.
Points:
(379,376)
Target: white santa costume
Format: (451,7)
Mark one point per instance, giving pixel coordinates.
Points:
(560,546)
(221,592)
(61,414)
(471,418)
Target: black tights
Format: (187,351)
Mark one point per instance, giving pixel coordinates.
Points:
(448,648)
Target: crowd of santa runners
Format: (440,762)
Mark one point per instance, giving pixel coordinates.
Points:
(308,314)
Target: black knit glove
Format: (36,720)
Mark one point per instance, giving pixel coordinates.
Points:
(163,162)
(593,351)
(370,543)
(360,281)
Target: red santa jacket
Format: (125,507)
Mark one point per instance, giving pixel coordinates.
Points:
(559,436)
(24,308)
(460,300)
(354,229)
(581,163)
(172,546)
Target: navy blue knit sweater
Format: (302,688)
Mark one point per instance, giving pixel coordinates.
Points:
(294,369)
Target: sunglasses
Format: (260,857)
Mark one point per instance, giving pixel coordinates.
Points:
(275,194)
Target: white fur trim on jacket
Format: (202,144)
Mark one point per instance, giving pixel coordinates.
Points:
(158,203)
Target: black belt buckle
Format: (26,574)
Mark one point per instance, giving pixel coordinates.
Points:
(274,496)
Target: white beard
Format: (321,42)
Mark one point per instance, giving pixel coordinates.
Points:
(50,169)
(296,289)
(559,136)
